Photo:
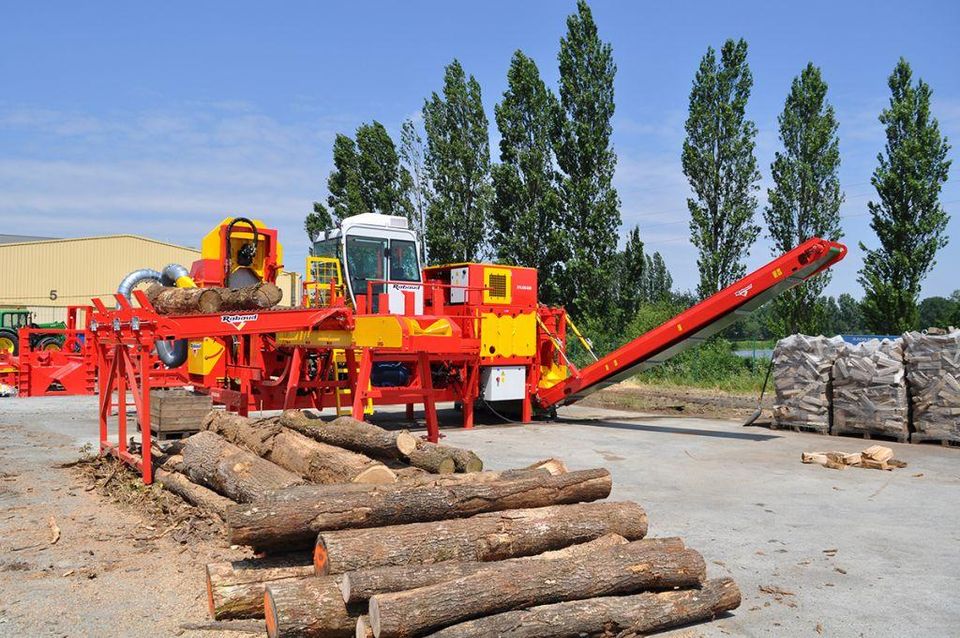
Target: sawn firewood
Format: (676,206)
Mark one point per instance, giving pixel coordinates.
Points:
(359,586)
(315,461)
(235,590)
(463,460)
(623,569)
(308,608)
(296,516)
(628,616)
(485,537)
(351,434)
(243,476)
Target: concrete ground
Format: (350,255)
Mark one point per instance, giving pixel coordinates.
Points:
(815,551)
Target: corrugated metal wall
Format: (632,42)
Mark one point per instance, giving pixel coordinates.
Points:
(47,276)
(76,270)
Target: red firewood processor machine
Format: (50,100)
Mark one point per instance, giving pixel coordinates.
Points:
(376,327)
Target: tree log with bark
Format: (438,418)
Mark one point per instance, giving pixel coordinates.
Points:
(211,460)
(256,297)
(359,586)
(464,460)
(168,300)
(235,589)
(308,608)
(432,458)
(315,461)
(623,569)
(351,434)
(485,537)
(627,616)
(205,499)
(300,513)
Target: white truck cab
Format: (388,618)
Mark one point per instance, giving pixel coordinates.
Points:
(377,248)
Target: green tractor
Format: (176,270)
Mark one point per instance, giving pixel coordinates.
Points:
(12,320)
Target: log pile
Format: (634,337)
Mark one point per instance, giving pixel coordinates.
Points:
(802,368)
(870,391)
(933,376)
(456,552)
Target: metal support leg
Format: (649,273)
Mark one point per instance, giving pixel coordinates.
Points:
(360,387)
(429,405)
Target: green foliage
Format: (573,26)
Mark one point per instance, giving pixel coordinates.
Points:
(805,200)
(345,197)
(457,162)
(585,155)
(631,275)
(418,189)
(657,280)
(938,312)
(718,161)
(317,221)
(908,218)
(527,213)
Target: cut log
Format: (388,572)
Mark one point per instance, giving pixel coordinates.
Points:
(307,608)
(432,458)
(211,460)
(351,434)
(552,465)
(299,514)
(485,537)
(359,586)
(464,460)
(363,628)
(623,569)
(256,297)
(168,300)
(315,461)
(205,499)
(235,590)
(628,616)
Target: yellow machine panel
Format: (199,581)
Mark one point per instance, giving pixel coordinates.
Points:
(508,335)
(211,247)
(497,285)
(335,338)
(203,355)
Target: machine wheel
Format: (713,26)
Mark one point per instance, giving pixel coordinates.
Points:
(49,343)
(9,341)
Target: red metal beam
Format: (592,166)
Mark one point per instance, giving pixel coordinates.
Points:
(697,323)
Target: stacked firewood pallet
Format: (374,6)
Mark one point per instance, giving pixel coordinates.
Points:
(363,531)
(870,390)
(801,377)
(933,375)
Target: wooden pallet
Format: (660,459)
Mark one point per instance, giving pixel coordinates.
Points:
(920,437)
(874,436)
(799,427)
(177,413)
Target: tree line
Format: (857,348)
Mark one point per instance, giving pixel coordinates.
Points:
(549,202)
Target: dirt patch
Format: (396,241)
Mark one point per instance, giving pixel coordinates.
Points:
(677,401)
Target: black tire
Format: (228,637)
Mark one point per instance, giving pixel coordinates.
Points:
(9,341)
(49,342)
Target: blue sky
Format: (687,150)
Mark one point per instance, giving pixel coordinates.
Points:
(161,118)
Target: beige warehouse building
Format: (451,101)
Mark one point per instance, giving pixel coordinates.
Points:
(47,275)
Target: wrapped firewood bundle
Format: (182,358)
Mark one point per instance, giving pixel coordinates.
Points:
(870,390)
(933,377)
(801,378)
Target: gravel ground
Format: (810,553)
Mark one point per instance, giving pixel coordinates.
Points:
(815,551)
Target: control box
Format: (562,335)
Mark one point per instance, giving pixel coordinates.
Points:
(503,383)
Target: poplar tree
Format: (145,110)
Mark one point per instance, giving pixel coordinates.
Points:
(907,217)
(805,199)
(526,215)
(345,197)
(631,280)
(585,155)
(657,279)
(383,181)
(457,163)
(418,186)
(317,222)
(718,161)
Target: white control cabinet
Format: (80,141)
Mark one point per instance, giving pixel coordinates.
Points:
(503,383)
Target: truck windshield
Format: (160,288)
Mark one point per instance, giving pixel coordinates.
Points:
(366,260)
(403,261)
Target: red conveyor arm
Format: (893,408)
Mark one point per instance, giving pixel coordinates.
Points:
(698,323)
